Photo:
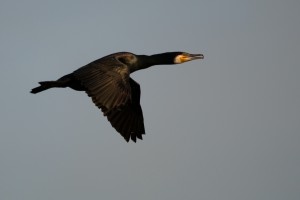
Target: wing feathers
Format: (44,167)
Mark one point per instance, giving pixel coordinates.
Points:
(107,89)
(128,119)
(117,95)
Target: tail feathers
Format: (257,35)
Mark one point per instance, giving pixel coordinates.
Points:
(45,85)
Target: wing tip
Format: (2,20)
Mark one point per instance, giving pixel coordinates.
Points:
(133,137)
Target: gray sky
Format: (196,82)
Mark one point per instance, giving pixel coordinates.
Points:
(223,128)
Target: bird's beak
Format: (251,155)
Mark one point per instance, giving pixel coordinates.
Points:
(187,57)
(196,56)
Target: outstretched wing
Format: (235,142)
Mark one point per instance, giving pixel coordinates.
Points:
(128,119)
(116,94)
(107,85)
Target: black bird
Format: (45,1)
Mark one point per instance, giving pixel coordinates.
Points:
(108,83)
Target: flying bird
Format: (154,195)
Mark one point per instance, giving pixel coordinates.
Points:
(107,81)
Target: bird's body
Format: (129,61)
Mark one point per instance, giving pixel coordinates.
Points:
(108,83)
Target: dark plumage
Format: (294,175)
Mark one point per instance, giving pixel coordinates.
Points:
(108,83)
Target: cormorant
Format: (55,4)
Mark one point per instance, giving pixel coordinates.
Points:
(108,83)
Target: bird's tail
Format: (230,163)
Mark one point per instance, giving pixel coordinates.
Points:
(45,85)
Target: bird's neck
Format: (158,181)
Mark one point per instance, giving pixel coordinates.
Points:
(156,59)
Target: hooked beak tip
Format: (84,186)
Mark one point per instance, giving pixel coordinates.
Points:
(197,56)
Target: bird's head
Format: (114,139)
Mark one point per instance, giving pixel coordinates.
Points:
(181,57)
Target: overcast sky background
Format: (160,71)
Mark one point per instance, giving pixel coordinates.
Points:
(223,128)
